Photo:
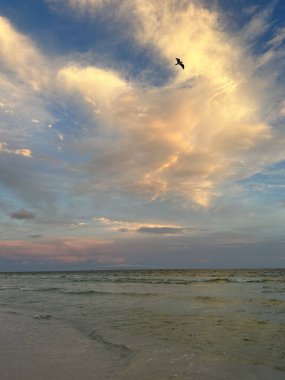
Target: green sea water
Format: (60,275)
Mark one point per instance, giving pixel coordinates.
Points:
(149,324)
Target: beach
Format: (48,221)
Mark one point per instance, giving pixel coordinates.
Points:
(160,324)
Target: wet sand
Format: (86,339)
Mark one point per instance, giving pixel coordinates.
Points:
(31,348)
(46,350)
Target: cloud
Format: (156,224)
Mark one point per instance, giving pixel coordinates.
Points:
(162,230)
(191,134)
(81,133)
(259,23)
(74,226)
(26,181)
(216,251)
(61,250)
(250,10)
(22,152)
(144,228)
(278,38)
(22,214)
(19,55)
(81,6)
(99,87)
(185,138)
(24,90)
(181,141)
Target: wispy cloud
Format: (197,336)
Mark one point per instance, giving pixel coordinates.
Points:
(130,226)
(20,55)
(162,230)
(278,38)
(146,228)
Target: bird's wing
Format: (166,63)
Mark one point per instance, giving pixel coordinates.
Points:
(178,60)
(182,65)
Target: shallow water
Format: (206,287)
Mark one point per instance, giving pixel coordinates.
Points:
(152,324)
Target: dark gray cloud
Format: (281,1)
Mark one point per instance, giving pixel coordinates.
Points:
(26,180)
(123,229)
(162,230)
(22,214)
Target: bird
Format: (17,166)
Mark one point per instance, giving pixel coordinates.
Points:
(180,63)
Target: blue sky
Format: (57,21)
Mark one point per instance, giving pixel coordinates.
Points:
(112,156)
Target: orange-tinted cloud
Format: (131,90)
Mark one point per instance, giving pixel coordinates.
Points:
(184,138)
(204,126)
(21,152)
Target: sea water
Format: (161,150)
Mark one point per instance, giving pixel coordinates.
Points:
(144,324)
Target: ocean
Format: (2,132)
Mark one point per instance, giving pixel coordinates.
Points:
(143,324)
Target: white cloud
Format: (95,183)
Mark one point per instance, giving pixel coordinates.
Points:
(190,135)
(24,76)
(138,227)
(99,87)
(20,55)
(204,126)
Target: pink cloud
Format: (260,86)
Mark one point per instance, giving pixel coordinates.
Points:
(65,250)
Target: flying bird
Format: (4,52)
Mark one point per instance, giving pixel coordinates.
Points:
(180,63)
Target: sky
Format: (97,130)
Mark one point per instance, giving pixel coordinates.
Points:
(113,157)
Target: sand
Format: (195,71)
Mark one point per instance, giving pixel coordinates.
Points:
(31,348)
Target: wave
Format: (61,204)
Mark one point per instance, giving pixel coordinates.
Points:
(209,299)
(232,280)
(7,288)
(102,292)
(273,302)
(48,289)
(121,349)
(244,280)
(82,291)
(165,277)
(52,289)
(88,285)
(73,291)
(218,279)
(42,316)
